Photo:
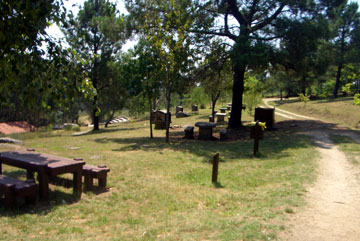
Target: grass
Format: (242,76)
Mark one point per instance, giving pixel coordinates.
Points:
(340,111)
(350,147)
(160,191)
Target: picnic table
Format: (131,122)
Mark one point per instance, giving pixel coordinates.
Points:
(46,166)
(205,130)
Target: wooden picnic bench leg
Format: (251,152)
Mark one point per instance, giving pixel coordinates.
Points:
(43,185)
(89,181)
(10,198)
(102,182)
(77,182)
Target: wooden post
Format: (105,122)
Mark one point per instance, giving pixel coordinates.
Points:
(215,168)
(256,145)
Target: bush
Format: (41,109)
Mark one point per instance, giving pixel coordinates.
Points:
(304,98)
(357,99)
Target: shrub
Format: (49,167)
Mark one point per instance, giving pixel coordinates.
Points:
(304,98)
(357,99)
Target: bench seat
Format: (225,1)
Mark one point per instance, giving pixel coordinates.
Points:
(13,188)
(90,172)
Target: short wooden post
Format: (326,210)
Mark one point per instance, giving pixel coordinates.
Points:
(215,168)
(256,145)
(257,134)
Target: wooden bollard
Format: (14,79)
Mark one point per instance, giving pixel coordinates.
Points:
(215,168)
(256,146)
(257,134)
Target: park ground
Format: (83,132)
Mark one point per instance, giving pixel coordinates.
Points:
(304,181)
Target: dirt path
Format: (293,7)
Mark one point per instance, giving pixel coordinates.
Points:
(333,202)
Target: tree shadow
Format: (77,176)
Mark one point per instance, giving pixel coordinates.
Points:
(110,129)
(218,185)
(274,144)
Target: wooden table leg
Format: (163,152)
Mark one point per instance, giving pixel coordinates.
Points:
(30,175)
(89,181)
(77,182)
(43,185)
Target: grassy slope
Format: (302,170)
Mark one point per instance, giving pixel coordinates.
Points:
(163,192)
(341,110)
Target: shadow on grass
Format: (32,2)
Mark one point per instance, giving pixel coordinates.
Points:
(111,129)
(40,207)
(218,185)
(289,135)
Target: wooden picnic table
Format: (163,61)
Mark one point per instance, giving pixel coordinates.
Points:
(46,166)
(205,130)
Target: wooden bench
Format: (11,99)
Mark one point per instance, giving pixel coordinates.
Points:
(90,172)
(13,188)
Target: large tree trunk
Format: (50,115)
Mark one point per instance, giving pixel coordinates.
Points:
(337,83)
(151,114)
(168,99)
(95,115)
(237,98)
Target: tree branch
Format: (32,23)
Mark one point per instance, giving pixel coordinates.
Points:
(268,20)
(229,35)
(234,10)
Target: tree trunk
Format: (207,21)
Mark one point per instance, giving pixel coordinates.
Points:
(337,83)
(109,119)
(303,86)
(151,114)
(95,115)
(213,104)
(168,99)
(237,98)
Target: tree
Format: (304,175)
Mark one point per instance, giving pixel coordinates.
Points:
(148,73)
(302,49)
(170,46)
(346,22)
(23,78)
(88,34)
(215,74)
(251,28)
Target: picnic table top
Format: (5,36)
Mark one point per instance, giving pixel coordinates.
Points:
(26,158)
(205,124)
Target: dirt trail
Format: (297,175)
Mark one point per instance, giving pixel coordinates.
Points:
(333,202)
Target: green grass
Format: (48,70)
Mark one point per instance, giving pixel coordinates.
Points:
(341,110)
(162,191)
(350,147)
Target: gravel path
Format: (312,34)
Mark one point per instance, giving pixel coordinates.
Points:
(333,202)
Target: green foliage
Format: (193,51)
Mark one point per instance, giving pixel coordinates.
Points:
(137,105)
(166,27)
(347,88)
(357,99)
(304,98)
(252,93)
(197,96)
(96,35)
